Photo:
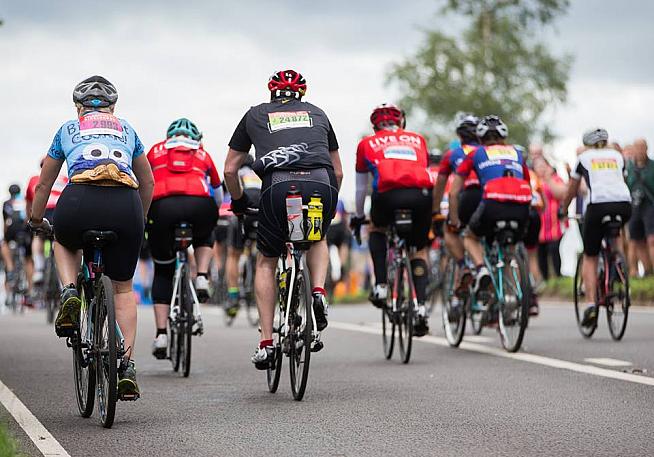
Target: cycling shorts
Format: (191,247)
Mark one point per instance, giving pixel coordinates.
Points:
(83,207)
(221,229)
(338,235)
(237,232)
(489,212)
(641,224)
(272,232)
(469,200)
(595,212)
(21,235)
(419,201)
(533,228)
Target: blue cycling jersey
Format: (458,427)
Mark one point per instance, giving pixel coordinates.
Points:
(99,149)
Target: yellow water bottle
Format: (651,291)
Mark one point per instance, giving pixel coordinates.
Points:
(314,215)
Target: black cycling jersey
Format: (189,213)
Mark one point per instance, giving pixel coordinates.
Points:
(287,134)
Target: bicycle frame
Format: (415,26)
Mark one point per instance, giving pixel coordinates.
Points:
(494,261)
(181,261)
(398,255)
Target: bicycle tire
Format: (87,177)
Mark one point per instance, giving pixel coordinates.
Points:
(405,315)
(186,334)
(173,347)
(300,334)
(578,294)
(274,372)
(51,284)
(107,354)
(619,275)
(248,282)
(512,327)
(453,326)
(83,368)
(388,321)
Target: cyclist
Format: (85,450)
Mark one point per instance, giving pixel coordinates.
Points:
(338,240)
(470,196)
(251,185)
(16,230)
(506,192)
(295,145)
(37,241)
(186,189)
(398,160)
(602,169)
(110,188)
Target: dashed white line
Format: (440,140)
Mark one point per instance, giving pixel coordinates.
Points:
(608,362)
(40,436)
(521,356)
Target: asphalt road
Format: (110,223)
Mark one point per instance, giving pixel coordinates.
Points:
(468,401)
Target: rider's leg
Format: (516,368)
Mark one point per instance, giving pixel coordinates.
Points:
(37,254)
(202,259)
(68,263)
(231,273)
(419,272)
(454,245)
(125,305)
(265,291)
(318,261)
(474,248)
(6,256)
(377,245)
(162,291)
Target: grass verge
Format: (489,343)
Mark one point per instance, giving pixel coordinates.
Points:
(8,446)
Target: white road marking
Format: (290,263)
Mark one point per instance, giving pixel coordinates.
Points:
(521,356)
(608,362)
(42,438)
(479,339)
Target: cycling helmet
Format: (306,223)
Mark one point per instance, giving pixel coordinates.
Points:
(14,190)
(287,82)
(435,156)
(185,127)
(466,126)
(491,125)
(595,136)
(95,92)
(385,114)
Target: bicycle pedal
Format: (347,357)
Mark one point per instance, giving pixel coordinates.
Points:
(317,346)
(129,397)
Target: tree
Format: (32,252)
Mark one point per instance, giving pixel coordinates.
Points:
(496,66)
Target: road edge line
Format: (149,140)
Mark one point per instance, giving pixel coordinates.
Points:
(35,430)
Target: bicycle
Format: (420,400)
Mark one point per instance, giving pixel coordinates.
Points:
(247,269)
(612,283)
(184,319)
(438,259)
(50,287)
(18,284)
(219,292)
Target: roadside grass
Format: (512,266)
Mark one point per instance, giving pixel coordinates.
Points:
(8,446)
(642,289)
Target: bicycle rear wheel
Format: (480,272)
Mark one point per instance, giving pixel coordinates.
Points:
(274,371)
(579,295)
(300,335)
(186,323)
(388,319)
(83,360)
(405,314)
(107,354)
(248,289)
(51,290)
(514,308)
(453,310)
(617,307)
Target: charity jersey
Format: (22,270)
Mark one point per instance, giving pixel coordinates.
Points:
(98,149)
(57,188)
(453,158)
(287,134)
(397,159)
(502,173)
(179,170)
(603,171)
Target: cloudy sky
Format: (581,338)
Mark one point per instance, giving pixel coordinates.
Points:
(210,60)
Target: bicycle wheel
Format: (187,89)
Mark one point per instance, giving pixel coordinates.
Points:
(274,372)
(51,290)
(405,313)
(173,347)
(300,334)
(106,352)
(514,308)
(388,320)
(186,323)
(453,309)
(248,289)
(618,302)
(83,360)
(579,294)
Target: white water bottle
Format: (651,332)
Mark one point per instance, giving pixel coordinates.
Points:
(294,215)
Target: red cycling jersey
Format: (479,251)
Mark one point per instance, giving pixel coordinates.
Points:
(57,188)
(182,171)
(451,161)
(397,159)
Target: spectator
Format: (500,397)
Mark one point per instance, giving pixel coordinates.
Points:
(640,179)
(553,190)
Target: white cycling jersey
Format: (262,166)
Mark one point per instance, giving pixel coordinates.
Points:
(603,171)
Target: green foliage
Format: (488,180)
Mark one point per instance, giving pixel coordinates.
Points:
(496,65)
(8,447)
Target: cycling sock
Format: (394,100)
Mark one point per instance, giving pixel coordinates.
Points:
(377,244)
(318,290)
(232,293)
(420,279)
(206,275)
(461,263)
(161,331)
(264,343)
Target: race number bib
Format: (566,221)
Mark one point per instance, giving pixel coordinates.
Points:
(401,153)
(100,124)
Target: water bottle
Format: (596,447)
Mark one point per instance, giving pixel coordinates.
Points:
(294,214)
(314,216)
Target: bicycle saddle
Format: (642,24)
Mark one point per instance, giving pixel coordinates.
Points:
(506,231)
(612,224)
(183,235)
(99,238)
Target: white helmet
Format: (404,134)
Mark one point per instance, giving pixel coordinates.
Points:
(492,123)
(595,136)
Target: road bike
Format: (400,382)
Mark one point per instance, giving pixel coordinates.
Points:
(184,319)
(17,296)
(438,260)
(219,289)
(612,283)
(50,288)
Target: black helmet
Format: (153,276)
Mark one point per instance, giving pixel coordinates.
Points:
(466,126)
(95,92)
(435,156)
(14,190)
(492,125)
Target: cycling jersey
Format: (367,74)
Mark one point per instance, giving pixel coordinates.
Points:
(179,170)
(287,134)
(98,149)
(57,188)
(13,211)
(502,173)
(453,158)
(603,171)
(397,159)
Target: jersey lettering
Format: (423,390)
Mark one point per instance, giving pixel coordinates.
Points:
(603,164)
(100,124)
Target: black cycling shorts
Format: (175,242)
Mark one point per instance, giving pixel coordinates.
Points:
(19,233)
(221,229)
(272,232)
(419,201)
(200,212)
(593,232)
(83,207)
(489,212)
(338,235)
(469,200)
(235,232)
(533,228)
(641,224)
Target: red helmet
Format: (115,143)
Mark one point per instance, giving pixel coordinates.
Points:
(287,80)
(387,113)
